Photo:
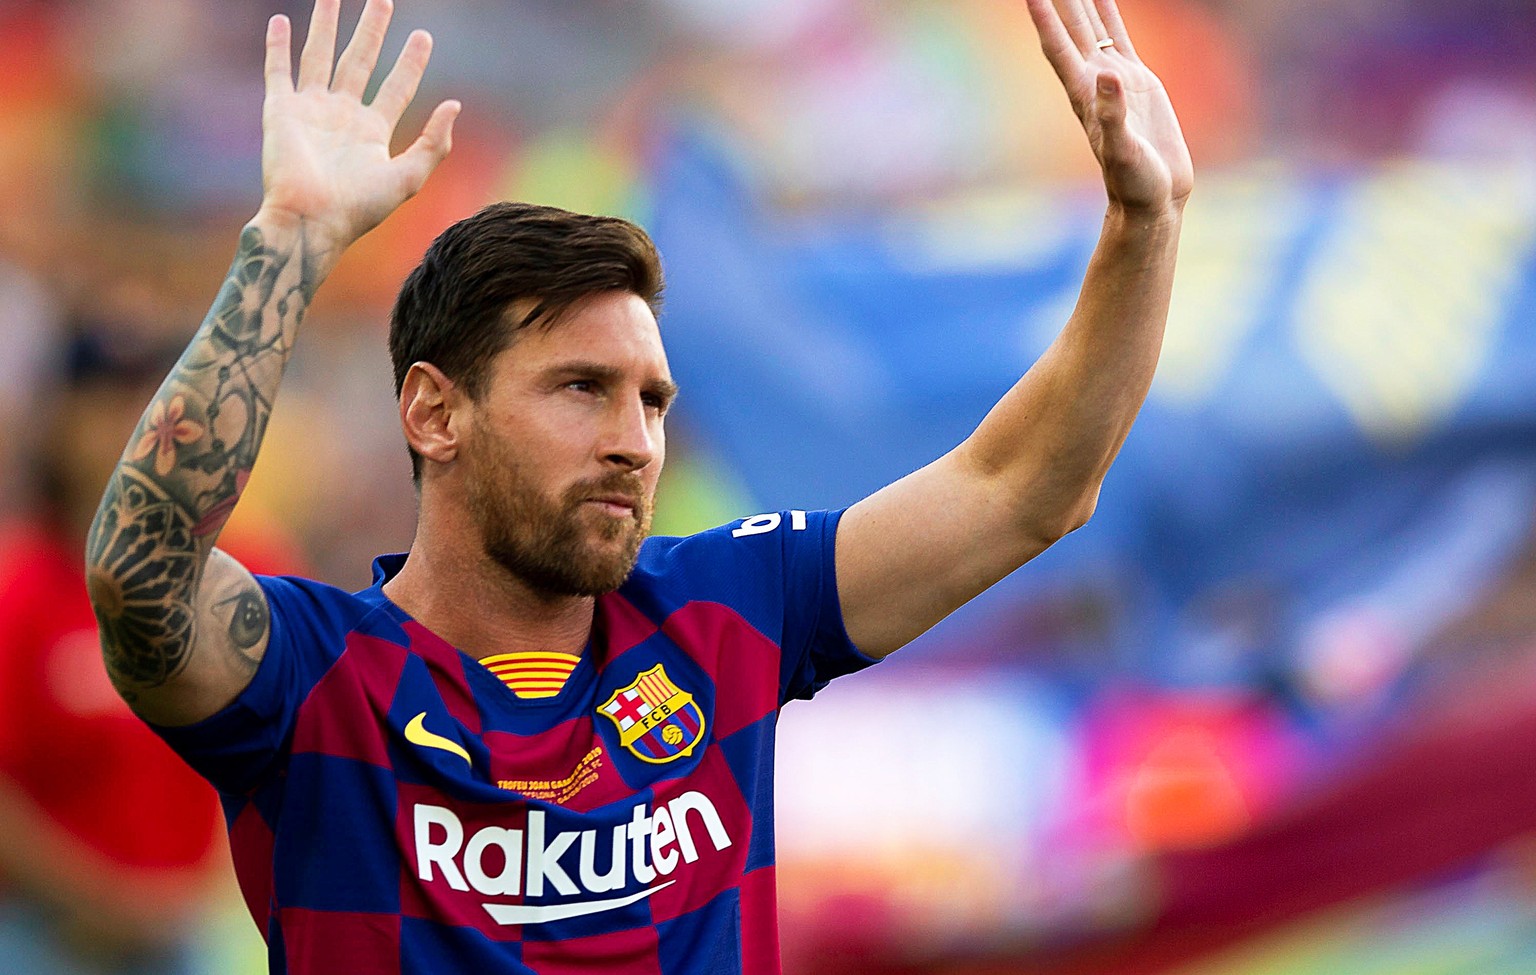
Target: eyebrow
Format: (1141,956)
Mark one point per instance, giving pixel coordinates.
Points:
(665,388)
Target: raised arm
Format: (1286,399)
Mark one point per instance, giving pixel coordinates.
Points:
(912,553)
(183,625)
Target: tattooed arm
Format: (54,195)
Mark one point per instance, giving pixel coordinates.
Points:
(183,625)
(163,595)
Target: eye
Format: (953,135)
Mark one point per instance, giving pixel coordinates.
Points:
(582,386)
(654,402)
(248,621)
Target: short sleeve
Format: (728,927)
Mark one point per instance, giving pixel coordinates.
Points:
(247,742)
(816,645)
(775,571)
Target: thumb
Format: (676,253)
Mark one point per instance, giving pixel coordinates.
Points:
(431,146)
(1109,101)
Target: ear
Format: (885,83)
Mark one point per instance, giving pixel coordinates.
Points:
(432,413)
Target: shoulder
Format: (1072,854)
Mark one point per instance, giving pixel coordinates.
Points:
(313,588)
(308,611)
(769,536)
(681,557)
(747,560)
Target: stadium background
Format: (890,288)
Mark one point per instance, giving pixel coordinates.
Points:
(1272,711)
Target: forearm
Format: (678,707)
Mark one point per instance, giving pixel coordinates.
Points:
(192,453)
(913,552)
(161,591)
(1049,442)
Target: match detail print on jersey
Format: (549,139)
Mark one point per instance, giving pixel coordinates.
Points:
(657,720)
(532,674)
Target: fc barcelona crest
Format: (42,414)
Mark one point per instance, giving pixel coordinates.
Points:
(657,720)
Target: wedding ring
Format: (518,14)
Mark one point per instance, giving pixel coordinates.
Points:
(1106,43)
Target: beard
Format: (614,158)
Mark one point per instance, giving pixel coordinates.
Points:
(557,546)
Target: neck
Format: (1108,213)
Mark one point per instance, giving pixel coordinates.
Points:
(462,595)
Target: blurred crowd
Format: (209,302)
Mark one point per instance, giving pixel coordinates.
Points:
(129,149)
(129,156)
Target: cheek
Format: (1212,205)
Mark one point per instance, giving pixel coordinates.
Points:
(653,472)
(533,457)
(528,432)
(555,426)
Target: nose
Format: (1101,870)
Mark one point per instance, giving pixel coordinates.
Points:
(632,436)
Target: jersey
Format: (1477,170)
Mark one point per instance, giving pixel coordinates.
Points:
(394,808)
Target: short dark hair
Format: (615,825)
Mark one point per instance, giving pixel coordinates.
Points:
(455,309)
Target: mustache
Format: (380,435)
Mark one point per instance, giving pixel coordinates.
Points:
(626,486)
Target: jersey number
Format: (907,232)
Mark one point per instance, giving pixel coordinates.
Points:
(761,524)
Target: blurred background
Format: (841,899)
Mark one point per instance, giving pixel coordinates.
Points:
(1272,711)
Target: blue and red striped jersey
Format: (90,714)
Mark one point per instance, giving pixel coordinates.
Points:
(394,807)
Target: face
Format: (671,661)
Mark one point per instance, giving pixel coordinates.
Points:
(566,445)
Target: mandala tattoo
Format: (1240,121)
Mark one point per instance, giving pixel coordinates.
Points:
(185,468)
(145,558)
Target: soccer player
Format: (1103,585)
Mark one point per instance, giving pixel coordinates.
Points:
(542,742)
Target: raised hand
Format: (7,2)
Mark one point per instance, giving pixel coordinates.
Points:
(325,154)
(183,625)
(1124,109)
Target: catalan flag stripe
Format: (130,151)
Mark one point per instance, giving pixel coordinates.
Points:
(656,690)
(531,674)
(540,671)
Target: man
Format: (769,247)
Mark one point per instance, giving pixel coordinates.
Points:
(540,742)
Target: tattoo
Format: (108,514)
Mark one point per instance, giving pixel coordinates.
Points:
(247,620)
(144,559)
(185,468)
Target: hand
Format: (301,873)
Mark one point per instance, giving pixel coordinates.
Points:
(325,155)
(1130,122)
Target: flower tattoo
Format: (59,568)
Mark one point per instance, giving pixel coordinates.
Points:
(168,426)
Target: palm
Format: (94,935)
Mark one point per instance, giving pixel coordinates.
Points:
(1132,126)
(325,155)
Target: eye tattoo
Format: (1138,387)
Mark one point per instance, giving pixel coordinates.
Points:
(248,623)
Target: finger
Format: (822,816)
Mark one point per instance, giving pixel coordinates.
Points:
(1119,149)
(279,70)
(1054,40)
(1091,11)
(1075,19)
(1110,108)
(355,66)
(429,149)
(399,86)
(1109,12)
(319,46)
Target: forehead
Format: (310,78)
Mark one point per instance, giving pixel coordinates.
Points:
(615,328)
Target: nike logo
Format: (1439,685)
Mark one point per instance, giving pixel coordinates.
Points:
(417,734)
(539,913)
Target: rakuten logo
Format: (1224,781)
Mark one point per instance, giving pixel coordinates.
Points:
(648,847)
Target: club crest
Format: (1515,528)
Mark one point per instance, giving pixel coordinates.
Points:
(657,720)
